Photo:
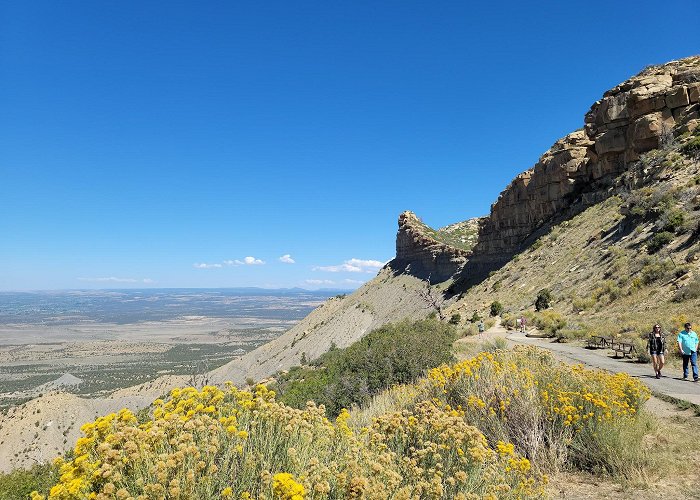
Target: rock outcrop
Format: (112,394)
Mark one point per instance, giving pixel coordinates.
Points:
(642,113)
(535,196)
(636,116)
(419,253)
(639,115)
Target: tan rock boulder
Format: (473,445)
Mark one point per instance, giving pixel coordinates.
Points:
(616,107)
(694,92)
(611,141)
(677,97)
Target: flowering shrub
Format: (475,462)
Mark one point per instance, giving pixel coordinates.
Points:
(548,410)
(397,353)
(468,430)
(213,444)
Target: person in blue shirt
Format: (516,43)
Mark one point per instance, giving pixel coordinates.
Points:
(688,345)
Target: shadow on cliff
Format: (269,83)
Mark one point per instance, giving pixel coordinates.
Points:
(481,265)
(403,267)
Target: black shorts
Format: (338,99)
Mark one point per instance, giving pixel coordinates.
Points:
(656,353)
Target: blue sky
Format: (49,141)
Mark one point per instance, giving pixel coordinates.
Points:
(155,144)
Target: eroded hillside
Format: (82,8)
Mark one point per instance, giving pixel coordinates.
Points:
(339,321)
(620,265)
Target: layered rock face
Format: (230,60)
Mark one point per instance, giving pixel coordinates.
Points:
(420,254)
(636,116)
(535,195)
(641,113)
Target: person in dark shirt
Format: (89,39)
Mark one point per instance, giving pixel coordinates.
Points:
(657,349)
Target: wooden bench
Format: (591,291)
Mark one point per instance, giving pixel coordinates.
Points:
(624,348)
(597,342)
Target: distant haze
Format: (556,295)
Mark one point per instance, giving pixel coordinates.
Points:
(132,306)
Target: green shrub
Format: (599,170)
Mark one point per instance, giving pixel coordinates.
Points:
(608,288)
(455,319)
(508,321)
(496,308)
(393,354)
(569,334)
(548,321)
(658,241)
(582,303)
(544,299)
(497,344)
(20,483)
(648,203)
(655,270)
(537,244)
(640,346)
(469,329)
(681,271)
(689,291)
(673,220)
(692,147)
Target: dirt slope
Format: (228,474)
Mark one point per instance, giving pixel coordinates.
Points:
(341,321)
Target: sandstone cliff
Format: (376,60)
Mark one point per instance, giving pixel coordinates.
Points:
(636,116)
(424,253)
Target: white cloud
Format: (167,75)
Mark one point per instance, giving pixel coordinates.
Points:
(287,259)
(353,266)
(247,261)
(206,266)
(319,282)
(252,261)
(113,279)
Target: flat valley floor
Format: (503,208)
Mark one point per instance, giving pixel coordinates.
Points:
(91,356)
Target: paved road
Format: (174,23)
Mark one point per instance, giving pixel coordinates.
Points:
(670,384)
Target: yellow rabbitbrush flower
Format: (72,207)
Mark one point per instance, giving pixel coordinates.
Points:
(286,488)
(535,401)
(250,446)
